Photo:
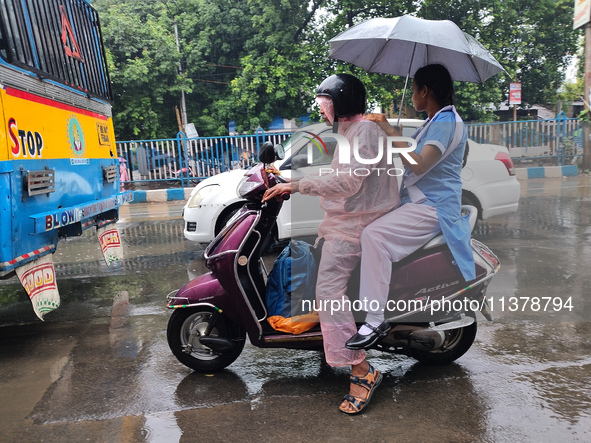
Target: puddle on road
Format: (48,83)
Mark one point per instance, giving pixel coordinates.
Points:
(529,381)
(526,378)
(161,427)
(534,379)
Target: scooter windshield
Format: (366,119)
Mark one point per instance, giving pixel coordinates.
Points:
(255,184)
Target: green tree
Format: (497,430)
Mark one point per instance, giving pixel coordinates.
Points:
(532,39)
(251,60)
(278,65)
(212,40)
(143,64)
(382,90)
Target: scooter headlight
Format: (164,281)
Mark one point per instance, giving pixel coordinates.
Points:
(240,183)
(197,198)
(246,187)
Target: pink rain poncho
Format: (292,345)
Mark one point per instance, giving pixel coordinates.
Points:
(353,195)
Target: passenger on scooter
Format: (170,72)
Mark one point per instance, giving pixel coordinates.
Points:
(431,195)
(351,202)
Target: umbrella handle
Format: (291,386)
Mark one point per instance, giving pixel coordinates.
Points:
(412,57)
(402,102)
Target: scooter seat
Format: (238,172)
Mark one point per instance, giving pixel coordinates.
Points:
(435,242)
(440,239)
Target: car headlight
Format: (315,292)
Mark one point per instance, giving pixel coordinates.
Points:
(196,199)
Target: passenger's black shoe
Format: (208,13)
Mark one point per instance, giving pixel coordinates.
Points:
(359,341)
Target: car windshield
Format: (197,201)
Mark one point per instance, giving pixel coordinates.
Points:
(290,141)
(301,142)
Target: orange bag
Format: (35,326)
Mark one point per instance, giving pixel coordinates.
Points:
(294,325)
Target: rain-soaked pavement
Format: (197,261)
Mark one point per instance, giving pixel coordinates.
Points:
(99,368)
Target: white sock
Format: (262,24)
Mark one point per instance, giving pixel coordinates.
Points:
(364,330)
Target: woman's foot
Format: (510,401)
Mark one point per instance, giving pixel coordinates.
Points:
(364,379)
(366,341)
(368,328)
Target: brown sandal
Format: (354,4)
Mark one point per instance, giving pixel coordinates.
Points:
(372,380)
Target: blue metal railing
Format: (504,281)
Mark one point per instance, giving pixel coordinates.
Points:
(185,161)
(553,139)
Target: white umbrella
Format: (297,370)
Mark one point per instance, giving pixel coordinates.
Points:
(401,45)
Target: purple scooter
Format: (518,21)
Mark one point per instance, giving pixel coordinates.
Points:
(432,309)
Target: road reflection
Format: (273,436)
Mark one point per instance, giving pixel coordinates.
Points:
(100,364)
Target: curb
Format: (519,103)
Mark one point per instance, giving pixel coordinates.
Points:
(161,195)
(546,172)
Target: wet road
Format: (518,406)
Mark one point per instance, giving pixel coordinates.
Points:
(99,368)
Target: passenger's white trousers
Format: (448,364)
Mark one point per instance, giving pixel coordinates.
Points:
(387,240)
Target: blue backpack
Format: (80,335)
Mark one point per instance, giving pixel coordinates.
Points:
(292,280)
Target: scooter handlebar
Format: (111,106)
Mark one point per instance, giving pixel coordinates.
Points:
(285,196)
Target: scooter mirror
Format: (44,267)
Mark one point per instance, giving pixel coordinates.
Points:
(267,153)
(279,151)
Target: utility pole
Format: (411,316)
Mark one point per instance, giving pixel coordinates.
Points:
(586,165)
(587,92)
(183,104)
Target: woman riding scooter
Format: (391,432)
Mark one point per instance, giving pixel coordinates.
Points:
(351,202)
(430,201)
(213,314)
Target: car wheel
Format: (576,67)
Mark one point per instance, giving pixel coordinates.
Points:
(225,217)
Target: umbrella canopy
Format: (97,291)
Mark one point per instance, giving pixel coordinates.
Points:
(401,45)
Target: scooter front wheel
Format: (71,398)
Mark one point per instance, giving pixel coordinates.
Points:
(457,342)
(187,325)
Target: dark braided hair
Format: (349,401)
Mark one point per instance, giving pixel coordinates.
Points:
(436,77)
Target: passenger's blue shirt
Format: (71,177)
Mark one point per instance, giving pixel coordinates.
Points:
(447,173)
(442,188)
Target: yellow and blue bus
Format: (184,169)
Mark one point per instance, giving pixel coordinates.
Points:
(58,163)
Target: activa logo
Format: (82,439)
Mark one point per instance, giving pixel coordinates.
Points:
(437,288)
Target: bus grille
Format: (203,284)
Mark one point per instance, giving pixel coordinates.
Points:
(109,173)
(40,182)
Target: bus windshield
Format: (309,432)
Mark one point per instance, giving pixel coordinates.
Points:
(56,39)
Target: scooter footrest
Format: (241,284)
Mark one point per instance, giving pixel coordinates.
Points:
(286,338)
(461,323)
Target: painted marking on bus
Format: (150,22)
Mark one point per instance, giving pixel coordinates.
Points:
(103,134)
(68,33)
(48,102)
(25,143)
(76,136)
(25,256)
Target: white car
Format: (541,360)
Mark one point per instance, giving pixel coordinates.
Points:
(488,183)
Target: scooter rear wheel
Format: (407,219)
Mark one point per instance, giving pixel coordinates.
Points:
(185,326)
(457,342)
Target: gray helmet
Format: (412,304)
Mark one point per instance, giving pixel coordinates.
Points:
(347,93)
